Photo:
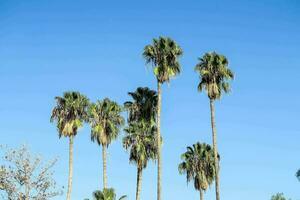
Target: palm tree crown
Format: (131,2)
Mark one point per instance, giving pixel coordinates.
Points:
(70,112)
(278,196)
(163,54)
(198,165)
(140,139)
(106,121)
(214,73)
(106,194)
(143,106)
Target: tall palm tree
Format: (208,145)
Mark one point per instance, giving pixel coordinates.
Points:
(107,194)
(141,141)
(214,75)
(163,54)
(106,121)
(69,113)
(140,136)
(198,165)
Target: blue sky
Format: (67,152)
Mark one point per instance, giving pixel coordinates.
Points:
(95,47)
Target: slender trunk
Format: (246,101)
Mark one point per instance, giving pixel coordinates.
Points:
(104,166)
(27,185)
(27,191)
(21,196)
(158,143)
(70,168)
(215,148)
(139,183)
(201,194)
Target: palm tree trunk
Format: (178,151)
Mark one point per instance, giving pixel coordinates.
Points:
(27,192)
(201,194)
(27,188)
(139,183)
(104,166)
(158,142)
(70,168)
(215,148)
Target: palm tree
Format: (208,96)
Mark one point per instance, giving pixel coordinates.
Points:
(107,194)
(214,74)
(278,196)
(163,55)
(69,114)
(106,121)
(141,141)
(198,165)
(140,136)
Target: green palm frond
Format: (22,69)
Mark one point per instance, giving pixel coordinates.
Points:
(140,134)
(214,75)
(69,113)
(106,121)
(198,165)
(143,106)
(106,194)
(163,54)
(140,140)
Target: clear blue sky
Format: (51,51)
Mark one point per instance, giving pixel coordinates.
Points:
(95,47)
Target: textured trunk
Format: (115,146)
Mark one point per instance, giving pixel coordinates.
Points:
(158,143)
(104,166)
(70,168)
(27,192)
(201,194)
(27,187)
(139,183)
(215,148)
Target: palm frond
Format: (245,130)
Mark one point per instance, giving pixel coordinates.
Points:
(106,121)
(69,113)
(214,75)
(163,54)
(198,165)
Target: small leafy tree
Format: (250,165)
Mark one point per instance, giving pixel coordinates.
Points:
(23,176)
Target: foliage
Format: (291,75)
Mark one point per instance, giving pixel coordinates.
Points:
(214,74)
(198,165)
(143,106)
(24,176)
(298,174)
(141,140)
(70,112)
(141,131)
(106,121)
(163,53)
(278,196)
(107,194)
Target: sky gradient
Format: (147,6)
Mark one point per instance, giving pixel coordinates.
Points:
(95,47)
